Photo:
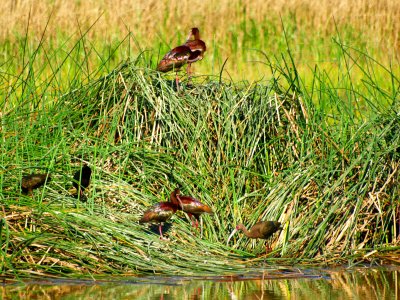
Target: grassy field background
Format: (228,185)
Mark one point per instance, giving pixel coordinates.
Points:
(233,30)
(300,126)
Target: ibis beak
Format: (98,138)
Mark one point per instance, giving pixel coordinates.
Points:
(231,235)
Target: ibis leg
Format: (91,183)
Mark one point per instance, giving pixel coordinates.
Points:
(195,223)
(268,248)
(82,196)
(160,230)
(189,73)
(177,81)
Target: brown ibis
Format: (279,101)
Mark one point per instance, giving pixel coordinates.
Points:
(261,230)
(33,181)
(188,53)
(197,48)
(159,213)
(82,180)
(190,205)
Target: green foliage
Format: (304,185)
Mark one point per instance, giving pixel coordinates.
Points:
(320,154)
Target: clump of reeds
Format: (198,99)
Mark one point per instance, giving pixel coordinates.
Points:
(322,159)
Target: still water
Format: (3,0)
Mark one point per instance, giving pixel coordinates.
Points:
(360,283)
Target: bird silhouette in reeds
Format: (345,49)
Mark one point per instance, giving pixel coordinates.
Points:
(159,213)
(188,53)
(33,181)
(193,207)
(260,230)
(81,181)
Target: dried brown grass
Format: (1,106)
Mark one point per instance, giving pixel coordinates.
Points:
(149,19)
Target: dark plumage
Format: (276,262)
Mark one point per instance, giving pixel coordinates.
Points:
(174,59)
(33,181)
(159,213)
(196,46)
(261,230)
(82,180)
(189,205)
(188,53)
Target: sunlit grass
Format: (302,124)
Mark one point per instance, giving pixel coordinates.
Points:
(320,158)
(313,145)
(233,31)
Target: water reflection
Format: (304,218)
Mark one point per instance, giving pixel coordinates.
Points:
(364,283)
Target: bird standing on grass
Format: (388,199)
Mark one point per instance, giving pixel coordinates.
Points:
(190,205)
(197,48)
(261,230)
(33,181)
(82,180)
(188,53)
(159,213)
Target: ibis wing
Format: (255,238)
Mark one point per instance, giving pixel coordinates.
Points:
(196,45)
(34,181)
(197,48)
(267,228)
(192,205)
(195,56)
(174,59)
(159,212)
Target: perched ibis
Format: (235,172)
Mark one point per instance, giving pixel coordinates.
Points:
(159,213)
(261,230)
(33,181)
(197,48)
(190,205)
(82,180)
(188,53)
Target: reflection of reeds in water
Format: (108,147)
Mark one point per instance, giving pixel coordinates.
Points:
(359,284)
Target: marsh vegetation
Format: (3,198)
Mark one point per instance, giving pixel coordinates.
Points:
(312,145)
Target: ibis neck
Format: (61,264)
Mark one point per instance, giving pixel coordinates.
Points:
(193,35)
(196,35)
(174,197)
(246,232)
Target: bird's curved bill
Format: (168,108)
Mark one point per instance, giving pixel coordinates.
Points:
(230,236)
